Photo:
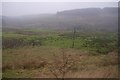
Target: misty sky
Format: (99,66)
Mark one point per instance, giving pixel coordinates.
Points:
(29,8)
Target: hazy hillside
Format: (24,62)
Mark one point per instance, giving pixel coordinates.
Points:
(83,41)
(89,19)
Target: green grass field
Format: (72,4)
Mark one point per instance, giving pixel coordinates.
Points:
(93,54)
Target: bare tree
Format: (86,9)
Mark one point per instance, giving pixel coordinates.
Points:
(61,65)
(73,37)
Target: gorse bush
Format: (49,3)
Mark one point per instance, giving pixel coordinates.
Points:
(19,42)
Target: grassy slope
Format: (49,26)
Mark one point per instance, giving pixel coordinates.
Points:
(88,65)
(94,42)
(31,61)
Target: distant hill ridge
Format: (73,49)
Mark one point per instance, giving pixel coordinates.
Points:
(89,11)
(84,19)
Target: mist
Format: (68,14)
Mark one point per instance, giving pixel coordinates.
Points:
(33,8)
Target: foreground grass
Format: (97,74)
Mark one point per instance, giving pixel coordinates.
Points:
(32,62)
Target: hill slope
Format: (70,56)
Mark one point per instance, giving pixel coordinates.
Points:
(89,19)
